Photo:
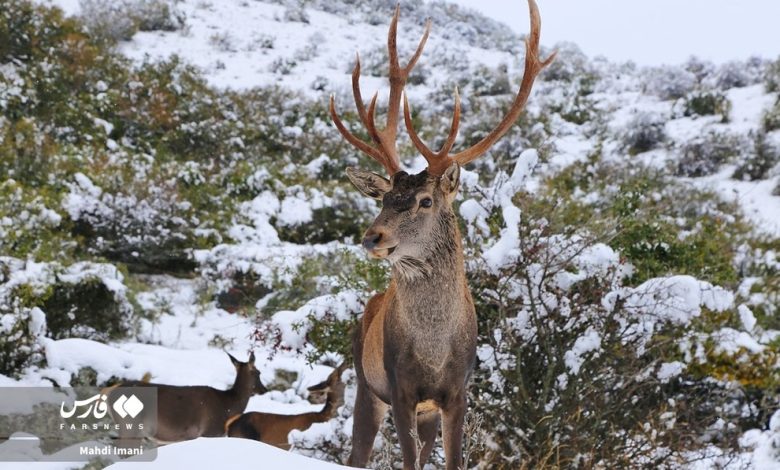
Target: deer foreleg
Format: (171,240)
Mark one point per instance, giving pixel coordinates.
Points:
(405,419)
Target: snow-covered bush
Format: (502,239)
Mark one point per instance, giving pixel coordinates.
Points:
(772,76)
(86,300)
(145,227)
(702,69)
(156,15)
(223,42)
(22,328)
(580,355)
(295,11)
(487,82)
(772,118)
(669,82)
(570,64)
(645,131)
(108,20)
(764,157)
(120,20)
(705,154)
(736,74)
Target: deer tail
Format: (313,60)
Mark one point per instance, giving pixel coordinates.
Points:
(106,390)
(230,421)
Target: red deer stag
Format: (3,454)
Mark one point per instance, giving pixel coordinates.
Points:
(273,428)
(416,345)
(185,413)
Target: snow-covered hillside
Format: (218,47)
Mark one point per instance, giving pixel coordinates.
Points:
(622,240)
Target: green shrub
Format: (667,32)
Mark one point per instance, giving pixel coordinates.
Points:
(707,103)
(78,302)
(21,330)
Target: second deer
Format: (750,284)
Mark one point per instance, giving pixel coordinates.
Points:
(274,428)
(188,412)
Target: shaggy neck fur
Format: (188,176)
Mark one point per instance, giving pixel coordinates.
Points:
(434,285)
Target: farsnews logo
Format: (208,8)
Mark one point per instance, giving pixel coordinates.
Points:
(96,406)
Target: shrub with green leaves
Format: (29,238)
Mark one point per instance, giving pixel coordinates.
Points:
(707,103)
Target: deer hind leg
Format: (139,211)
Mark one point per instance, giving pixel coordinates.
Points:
(452,431)
(368,416)
(427,429)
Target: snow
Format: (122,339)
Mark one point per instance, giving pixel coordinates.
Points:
(220,452)
(503,251)
(587,343)
(669,370)
(182,341)
(746,317)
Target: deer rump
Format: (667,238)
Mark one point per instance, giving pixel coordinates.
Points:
(269,428)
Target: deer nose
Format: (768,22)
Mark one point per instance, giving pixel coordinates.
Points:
(372,239)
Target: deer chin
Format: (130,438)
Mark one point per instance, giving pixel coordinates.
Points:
(382,253)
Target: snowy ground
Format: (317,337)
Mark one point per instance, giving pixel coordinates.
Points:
(223,39)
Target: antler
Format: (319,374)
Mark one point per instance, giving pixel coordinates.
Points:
(439,161)
(384,148)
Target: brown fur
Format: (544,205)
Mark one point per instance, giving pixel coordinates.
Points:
(185,413)
(273,429)
(417,343)
(416,346)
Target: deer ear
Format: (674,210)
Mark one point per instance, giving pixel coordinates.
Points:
(235,361)
(450,180)
(369,183)
(252,358)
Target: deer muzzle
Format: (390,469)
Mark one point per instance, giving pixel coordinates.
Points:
(379,243)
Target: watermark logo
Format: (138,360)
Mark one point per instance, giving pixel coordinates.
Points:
(125,407)
(77,424)
(96,405)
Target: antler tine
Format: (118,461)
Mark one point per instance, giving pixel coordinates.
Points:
(352,139)
(439,161)
(398,77)
(532,68)
(361,107)
(417,53)
(445,150)
(426,152)
(385,151)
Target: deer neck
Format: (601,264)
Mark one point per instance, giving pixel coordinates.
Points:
(332,404)
(431,287)
(240,392)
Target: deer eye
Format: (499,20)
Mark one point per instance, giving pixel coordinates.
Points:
(426,202)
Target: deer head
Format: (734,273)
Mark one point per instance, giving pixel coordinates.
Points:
(333,386)
(247,375)
(417,210)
